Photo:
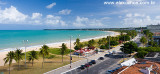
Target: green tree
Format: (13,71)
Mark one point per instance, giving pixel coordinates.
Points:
(102,41)
(91,43)
(18,56)
(152,43)
(77,41)
(129,47)
(146,32)
(44,51)
(113,43)
(124,38)
(150,36)
(77,47)
(143,40)
(9,58)
(141,54)
(63,50)
(32,56)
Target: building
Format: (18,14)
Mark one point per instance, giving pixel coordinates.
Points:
(153,56)
(142,67)
(154,28)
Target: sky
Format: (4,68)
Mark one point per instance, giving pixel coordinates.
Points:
(73,14)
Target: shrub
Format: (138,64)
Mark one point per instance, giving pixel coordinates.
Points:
(50,56)
(141,54)
(102,47)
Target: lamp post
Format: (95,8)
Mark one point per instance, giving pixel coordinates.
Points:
(25,42)
(79,39)
(123,49)
(109,41)
(70,51)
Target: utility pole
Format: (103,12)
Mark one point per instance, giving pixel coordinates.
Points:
(70,51)
(25,42)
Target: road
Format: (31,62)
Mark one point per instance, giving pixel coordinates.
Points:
(101,67)
(107,64)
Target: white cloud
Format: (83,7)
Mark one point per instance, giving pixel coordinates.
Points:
(54,20)
(139,20)
(12,15)
(36,15)
(86,22)
(157,17)
(65,12)
(50,5)
(105,18)
(139,15)
(129,15)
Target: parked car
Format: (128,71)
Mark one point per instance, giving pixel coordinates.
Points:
(87,65)
(110,71)
(114,52)
(78,69)
(90,63)
(82,67)
(93,61)
(101,58)
(106,55)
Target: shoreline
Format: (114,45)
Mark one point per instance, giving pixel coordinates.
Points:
(52,45)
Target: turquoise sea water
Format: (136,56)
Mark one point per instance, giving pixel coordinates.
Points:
(14,38)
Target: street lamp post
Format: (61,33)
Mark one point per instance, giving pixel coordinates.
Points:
(123,49)
(79,53)
(70,51)
(25,42)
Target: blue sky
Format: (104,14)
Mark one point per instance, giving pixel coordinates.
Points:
(64,14)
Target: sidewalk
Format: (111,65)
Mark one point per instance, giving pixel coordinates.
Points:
(80,62)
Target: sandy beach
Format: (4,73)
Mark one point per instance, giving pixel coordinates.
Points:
(53,45)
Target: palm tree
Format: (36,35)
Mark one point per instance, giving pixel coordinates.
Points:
(44,51)
(77,41)
(9,58)
(63,50)
(32,56)
(18,56)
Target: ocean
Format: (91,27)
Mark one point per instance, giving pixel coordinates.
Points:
(14,38)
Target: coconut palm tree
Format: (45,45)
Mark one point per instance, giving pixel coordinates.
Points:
(63,50)
(77,41)
(18,56)
(44,51)
(32,56)
(9,58)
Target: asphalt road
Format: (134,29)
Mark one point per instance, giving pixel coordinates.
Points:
(99,68)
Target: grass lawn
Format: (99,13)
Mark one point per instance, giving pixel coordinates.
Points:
(50,64)
(57,51)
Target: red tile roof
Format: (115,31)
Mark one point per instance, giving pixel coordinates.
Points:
(135,69)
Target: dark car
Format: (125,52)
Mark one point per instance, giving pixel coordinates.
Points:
(87,65)
(110,71)
(78,69)
(101,58)
(90,63)
(82,67)
(106,55)
(93,61)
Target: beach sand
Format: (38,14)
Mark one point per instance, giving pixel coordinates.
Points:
(53,45)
